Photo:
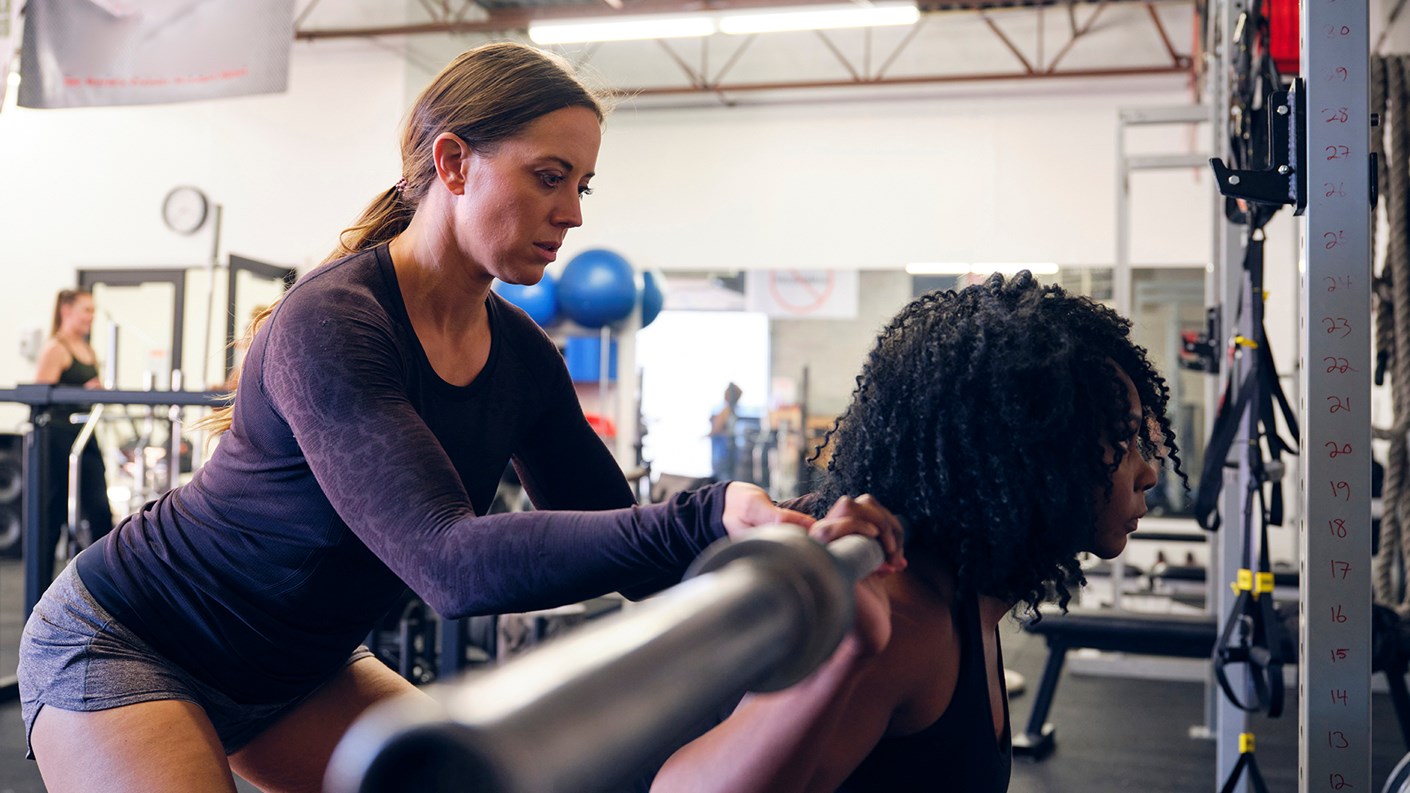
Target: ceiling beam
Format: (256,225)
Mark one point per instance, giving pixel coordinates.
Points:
(899,81)
(500,20)
(1017,53)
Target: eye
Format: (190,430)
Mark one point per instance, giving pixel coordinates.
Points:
(550,179)
(584,191)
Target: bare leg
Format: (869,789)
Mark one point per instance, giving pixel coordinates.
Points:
(291,756)
(151,747)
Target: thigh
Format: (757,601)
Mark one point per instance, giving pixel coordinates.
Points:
(165,746)
(291,756)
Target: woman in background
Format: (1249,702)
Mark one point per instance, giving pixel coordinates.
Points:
(68,359)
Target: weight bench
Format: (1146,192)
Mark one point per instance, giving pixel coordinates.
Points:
(1175,635)
(1185,636)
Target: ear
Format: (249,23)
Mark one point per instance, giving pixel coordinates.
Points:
(452,157)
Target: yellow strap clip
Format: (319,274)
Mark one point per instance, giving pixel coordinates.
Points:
(1244,583)
(1244,341)
(1245,743)
(1264,584)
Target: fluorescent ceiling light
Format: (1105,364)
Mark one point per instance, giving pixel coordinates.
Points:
(621,29)
(824,18)
(980,268)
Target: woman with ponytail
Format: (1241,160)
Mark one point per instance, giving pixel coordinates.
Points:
(68,359)
(379,401)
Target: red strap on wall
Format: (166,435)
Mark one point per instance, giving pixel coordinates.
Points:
(1283,35)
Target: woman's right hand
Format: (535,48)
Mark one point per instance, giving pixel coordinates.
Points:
(866,516)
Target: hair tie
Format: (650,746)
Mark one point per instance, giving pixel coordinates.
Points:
(400,186)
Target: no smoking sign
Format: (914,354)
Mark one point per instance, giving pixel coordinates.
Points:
(802,294)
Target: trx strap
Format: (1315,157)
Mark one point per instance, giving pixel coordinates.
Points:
(1261,384)
(1261,139)
(1247,762)
(1253,636)
(1253,632)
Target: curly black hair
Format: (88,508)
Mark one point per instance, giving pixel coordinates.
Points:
(986,417)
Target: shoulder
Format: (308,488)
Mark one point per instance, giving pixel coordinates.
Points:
(921,664)
(335,297)
(351,277)
(55,353)
(336,324)
(53,358)
(53,348)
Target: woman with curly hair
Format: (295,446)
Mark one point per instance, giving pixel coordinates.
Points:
(1017,426)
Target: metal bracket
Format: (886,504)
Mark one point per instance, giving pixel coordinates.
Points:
(1285,182)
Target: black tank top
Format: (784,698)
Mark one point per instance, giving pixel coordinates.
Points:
(958,751)
(78,373)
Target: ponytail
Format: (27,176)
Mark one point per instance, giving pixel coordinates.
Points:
(387,216)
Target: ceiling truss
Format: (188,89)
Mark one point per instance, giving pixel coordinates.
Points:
(872,67)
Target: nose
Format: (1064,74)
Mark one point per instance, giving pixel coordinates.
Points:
(1148,475)
(568,214)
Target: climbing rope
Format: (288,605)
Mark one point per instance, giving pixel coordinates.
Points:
(1392,293)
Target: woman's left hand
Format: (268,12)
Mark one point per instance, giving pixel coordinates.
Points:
(748,506)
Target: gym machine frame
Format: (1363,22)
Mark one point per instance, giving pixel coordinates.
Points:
(1327,168)
(1334,671)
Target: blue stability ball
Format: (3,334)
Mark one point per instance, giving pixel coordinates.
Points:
(653,296)
(597,288)
(539,301)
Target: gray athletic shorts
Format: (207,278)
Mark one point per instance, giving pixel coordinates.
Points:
(75,656)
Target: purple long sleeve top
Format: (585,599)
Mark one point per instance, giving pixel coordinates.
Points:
(351,470)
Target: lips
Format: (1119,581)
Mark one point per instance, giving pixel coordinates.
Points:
(548,251)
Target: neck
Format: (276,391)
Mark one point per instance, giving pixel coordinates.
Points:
(439,286)
(68,334)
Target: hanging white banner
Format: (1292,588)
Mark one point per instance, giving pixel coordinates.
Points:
(82,53)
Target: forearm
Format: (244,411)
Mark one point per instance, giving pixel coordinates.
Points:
(531,560)
(773,743)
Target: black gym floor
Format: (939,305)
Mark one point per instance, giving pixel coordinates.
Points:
(1112,734)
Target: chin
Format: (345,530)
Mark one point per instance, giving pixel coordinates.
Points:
(526,276)
(1111,549)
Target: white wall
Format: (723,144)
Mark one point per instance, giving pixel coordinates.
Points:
(1016,175)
